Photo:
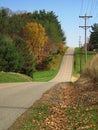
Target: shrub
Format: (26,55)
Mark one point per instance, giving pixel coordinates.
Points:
(92,69)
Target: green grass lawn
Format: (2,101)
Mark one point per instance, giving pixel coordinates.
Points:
(81,59)
(39,76)
(6,77)
(43,76)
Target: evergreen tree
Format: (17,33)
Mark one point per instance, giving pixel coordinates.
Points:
(4,21)
(93,43)
(28,67)
(10,59)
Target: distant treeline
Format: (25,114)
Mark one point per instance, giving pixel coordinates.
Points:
(29,41)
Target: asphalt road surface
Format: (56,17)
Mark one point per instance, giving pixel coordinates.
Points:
(65,72)
(16,98)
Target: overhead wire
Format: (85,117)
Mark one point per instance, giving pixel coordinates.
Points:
(89,7)
(93,6)
(86,6)
(95,15)
(81,8)
(92,11)
(81,13)
(88,11)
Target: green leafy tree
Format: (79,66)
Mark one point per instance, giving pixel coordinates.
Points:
(53,27)
(10,59)
(33,29)
(93,43)
(4,21)
(29,66)
(49,21)
(16,25)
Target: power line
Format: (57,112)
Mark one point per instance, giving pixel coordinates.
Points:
(93,11)
(95,17)
(81,10)
(85,27)
(93,5)
(87,6)
(94,8)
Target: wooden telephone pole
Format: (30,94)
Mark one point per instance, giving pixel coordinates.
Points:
(80,46)
(85,27)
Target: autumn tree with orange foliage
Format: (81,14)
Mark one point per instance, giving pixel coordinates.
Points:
(35,36)
(32,28)
(62,48)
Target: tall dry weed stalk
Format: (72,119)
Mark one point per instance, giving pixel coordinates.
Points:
(92,68)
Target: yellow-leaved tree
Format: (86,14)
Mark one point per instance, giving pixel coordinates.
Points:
(35,36)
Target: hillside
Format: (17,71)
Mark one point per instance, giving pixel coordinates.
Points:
(6,77)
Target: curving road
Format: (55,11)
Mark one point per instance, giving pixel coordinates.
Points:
(65,72)
(16,98)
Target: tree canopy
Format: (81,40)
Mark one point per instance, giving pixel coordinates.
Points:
(10,59)
(33,36)
(28,58)
(93,43)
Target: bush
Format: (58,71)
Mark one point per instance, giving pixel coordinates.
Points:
(92,69)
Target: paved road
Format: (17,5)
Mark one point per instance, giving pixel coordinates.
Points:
(16,98)
(65,72)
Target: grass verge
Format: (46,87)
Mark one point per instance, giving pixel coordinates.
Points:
(6,77)
(79,60)
(57,110)
(43,76)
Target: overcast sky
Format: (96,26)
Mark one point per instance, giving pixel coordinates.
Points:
(68,12)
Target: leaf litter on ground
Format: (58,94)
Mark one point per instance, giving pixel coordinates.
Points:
(66,106)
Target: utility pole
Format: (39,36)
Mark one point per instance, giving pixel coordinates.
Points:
(85,27)
(80,46)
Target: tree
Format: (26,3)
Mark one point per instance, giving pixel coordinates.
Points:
(4,21)
(21,46)
(93,43)
(16,24)
(53,27)
(10,59)
(35,36)
(50,22)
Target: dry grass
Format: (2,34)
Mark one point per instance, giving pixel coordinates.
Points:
(92,69)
